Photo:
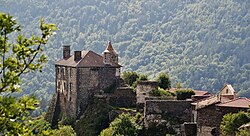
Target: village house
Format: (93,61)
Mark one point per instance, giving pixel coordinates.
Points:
(208,113)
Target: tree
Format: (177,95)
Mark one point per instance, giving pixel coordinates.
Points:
(63,131)
(164,81)
(124,124)
(141,77)
(184,94)
(231,122)
(18,58)
(130,77)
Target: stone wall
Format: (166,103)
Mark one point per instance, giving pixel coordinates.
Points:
(210,117)
(207,119)
(188,129)
(181,110)
(66,87)
(92,81)
(143,88)
(165,116)
(123,97)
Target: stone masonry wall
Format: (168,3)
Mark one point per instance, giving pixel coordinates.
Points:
(123,97)
(178,109)
(207,118)
(66,87)
(91,81)
(143,88)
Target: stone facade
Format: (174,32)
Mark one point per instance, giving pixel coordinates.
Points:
(123,97)
(92,81)
(79,77)
(180,109)
(66,89)
(142,92)
(207,119)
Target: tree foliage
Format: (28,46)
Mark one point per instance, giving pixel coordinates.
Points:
(161,93)
(183,94)
(164,81)
(123,125)
(130,77)
(18,58)
(231,122)
(200,43)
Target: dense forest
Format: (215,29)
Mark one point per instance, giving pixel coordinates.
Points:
(202,44)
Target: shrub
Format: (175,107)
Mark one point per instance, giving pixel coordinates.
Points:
(164,81)
(184,94)
(160,93)
(231,122)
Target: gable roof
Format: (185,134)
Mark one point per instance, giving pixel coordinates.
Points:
(201,93)
(236,103)
(206,102)
(88,59)
(230,88)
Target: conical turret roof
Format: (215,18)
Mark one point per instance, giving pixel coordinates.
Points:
(110,49)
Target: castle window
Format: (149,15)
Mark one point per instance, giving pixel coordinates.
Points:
(227,91)
(70,87)
(70,72)
(58,85)
(65,86)
(63,71)
(58,72)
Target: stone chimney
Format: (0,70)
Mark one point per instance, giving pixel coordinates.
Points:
(77,55)
(66,51)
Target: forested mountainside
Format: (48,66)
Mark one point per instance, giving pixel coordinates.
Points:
(201,43)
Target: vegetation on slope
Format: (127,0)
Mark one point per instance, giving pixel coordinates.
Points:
(200,43)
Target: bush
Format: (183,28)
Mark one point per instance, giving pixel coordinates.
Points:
(184,94)
(130,77)
(161,93)
(164,81)
(123,125)
(231,122)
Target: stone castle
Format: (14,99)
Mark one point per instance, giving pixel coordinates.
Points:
(86,75)
(81,76)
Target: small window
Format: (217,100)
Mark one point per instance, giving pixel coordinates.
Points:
(65,86)
(227,91)
(59,85)
(70,72)
(58,70)
(70,87)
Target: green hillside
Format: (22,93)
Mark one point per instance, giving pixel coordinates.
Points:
(201,43)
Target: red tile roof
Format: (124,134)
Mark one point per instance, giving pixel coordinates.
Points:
(89,59)
(236,103)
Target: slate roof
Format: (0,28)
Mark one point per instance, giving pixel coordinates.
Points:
(110,49)
(88,59)
(236,103)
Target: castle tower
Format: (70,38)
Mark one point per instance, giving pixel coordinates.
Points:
(109,55)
